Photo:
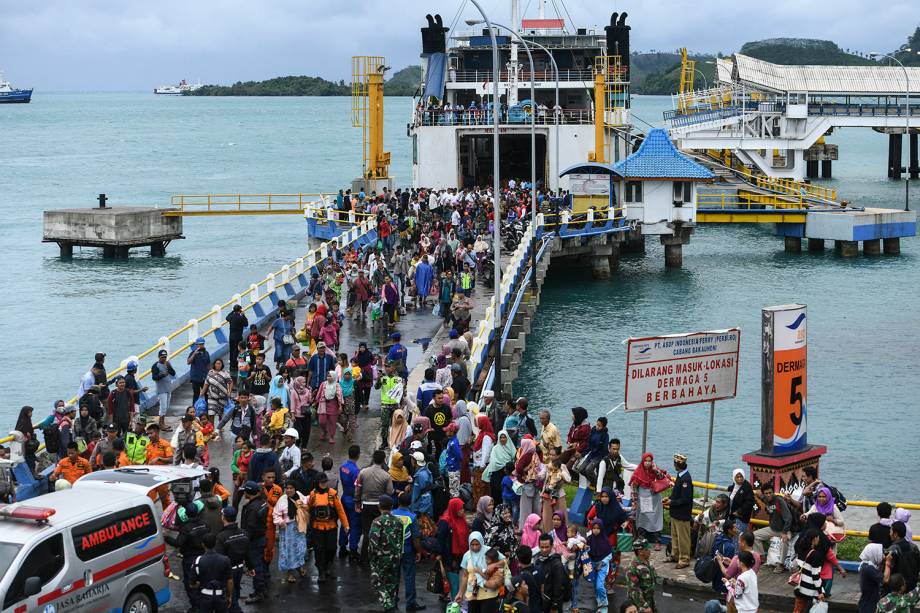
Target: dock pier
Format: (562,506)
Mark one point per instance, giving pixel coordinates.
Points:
(116,229)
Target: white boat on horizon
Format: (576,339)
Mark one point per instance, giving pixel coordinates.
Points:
(177,90)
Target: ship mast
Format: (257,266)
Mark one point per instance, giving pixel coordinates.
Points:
(513,63)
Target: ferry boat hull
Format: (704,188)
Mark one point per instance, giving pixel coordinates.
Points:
(17,96)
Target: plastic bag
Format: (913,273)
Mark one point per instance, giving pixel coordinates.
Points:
(201,406)
(773,553)
(818,607)
(436,311)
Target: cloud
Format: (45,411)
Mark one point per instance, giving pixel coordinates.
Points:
(134,45)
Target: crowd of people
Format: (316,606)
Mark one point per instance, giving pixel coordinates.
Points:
(476,486)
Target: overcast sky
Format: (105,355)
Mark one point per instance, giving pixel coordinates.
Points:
(136,44)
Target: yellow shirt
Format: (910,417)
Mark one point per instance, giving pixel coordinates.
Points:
(550,438)
(276,422)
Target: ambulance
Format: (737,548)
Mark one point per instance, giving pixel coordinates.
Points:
(95,547)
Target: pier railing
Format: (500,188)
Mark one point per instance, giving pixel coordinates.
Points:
(260,298)
(190,205)
(483,117)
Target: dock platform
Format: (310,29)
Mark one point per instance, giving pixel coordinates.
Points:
(116,229)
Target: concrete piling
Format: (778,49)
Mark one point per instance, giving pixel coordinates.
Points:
(816,244)
(793,244)
(872,247)
(847,249)
(892,246)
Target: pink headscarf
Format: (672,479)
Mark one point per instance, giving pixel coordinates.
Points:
(531,533)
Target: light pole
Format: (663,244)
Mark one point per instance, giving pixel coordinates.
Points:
(533,150)
(496,212)
(906,117)
(556,117)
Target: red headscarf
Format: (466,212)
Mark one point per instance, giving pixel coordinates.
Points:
(459,530)
(642,476)
(485,429)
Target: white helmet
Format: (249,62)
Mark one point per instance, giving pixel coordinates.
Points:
(62,484)
(292,433)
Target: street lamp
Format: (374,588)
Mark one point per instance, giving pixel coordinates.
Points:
(496,212)
(533,150)
(557,117)
(906,117)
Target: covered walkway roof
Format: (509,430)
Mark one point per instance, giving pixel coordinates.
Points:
(830,80)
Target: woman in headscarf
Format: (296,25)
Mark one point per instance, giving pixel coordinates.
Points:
(278,389)
(559,532)
(500,534)
(647,508)
(398,473)
(218,386)
(24,425)
(902,515)
(482,454)
(482,595)
(398,429)
(301,399)
(365,360)
(329,403)
(600,551)
(608,509)
(290,519)
(553,494)
(826,506)
(740,501)
(452,535)
(84,426)
(502,454)
(529,470)
(349,413)
(579,431)
(530,534)
(485,514)
(871,576)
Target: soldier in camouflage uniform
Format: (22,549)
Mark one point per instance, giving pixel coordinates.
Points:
(641,578)
(386,540)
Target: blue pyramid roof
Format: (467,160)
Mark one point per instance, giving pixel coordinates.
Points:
(658,158)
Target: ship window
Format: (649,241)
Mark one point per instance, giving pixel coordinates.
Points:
(682,191)
(633,191)
(415,148)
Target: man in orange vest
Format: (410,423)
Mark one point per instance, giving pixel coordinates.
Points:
(72,467)
(326,511)
(159,452)
(272,492)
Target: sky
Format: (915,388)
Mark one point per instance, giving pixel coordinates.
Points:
(134,45)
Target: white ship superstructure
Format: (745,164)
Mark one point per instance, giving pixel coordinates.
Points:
(451,127)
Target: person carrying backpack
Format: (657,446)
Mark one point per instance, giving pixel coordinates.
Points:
(326,512)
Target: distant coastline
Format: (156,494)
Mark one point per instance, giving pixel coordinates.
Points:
(403,83)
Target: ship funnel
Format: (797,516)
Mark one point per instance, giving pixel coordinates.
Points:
(618,40)
(434,36)
(622,21)
(613,20)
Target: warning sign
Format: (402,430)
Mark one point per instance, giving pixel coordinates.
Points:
(667,371)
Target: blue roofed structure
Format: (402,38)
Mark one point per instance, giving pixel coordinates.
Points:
(659,160)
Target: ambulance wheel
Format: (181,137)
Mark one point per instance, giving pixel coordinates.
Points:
(138,602)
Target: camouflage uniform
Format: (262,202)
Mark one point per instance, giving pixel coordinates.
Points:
(386,540)
(640,585)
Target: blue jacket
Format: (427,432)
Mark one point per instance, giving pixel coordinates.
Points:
(597,444)
(198,369)
(261,460)
(348,474)
(454,455)
(422,484)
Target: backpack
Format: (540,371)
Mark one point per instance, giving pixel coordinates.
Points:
(52,436)
(839,499)
(324,512)
(705,568)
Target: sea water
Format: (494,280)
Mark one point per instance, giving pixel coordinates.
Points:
(65,148)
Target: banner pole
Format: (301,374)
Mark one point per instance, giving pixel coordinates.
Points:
(644,430)
(712,421)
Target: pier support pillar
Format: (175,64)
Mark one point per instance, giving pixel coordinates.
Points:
(811,169)
(872,247)
(673,256)
(158,249)
(793,244)
(816,244)
(674,245)
(122,252)
(108,252)
(600,266)
(847,249)
(892,246)
(894,156)
(66,250)
(914,167)
(826,169)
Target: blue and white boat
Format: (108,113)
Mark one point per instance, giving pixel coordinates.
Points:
(10,94)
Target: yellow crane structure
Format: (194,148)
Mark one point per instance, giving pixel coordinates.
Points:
(610,95)
(367,74)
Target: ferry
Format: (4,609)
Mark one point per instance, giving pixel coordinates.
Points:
(177,90)
(451,127)
(10,94)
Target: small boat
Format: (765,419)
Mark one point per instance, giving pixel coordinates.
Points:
(9,94)
(176,90)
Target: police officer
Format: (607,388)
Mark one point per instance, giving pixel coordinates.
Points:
(188,542)
(233,543)
(212,576)
(254,523)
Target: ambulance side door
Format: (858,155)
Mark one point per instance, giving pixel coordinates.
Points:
(42,568)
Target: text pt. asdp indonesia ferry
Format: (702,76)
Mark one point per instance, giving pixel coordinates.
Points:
(451,127)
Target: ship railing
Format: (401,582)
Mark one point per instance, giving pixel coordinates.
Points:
(485,76)
(483,117)
(260,298)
